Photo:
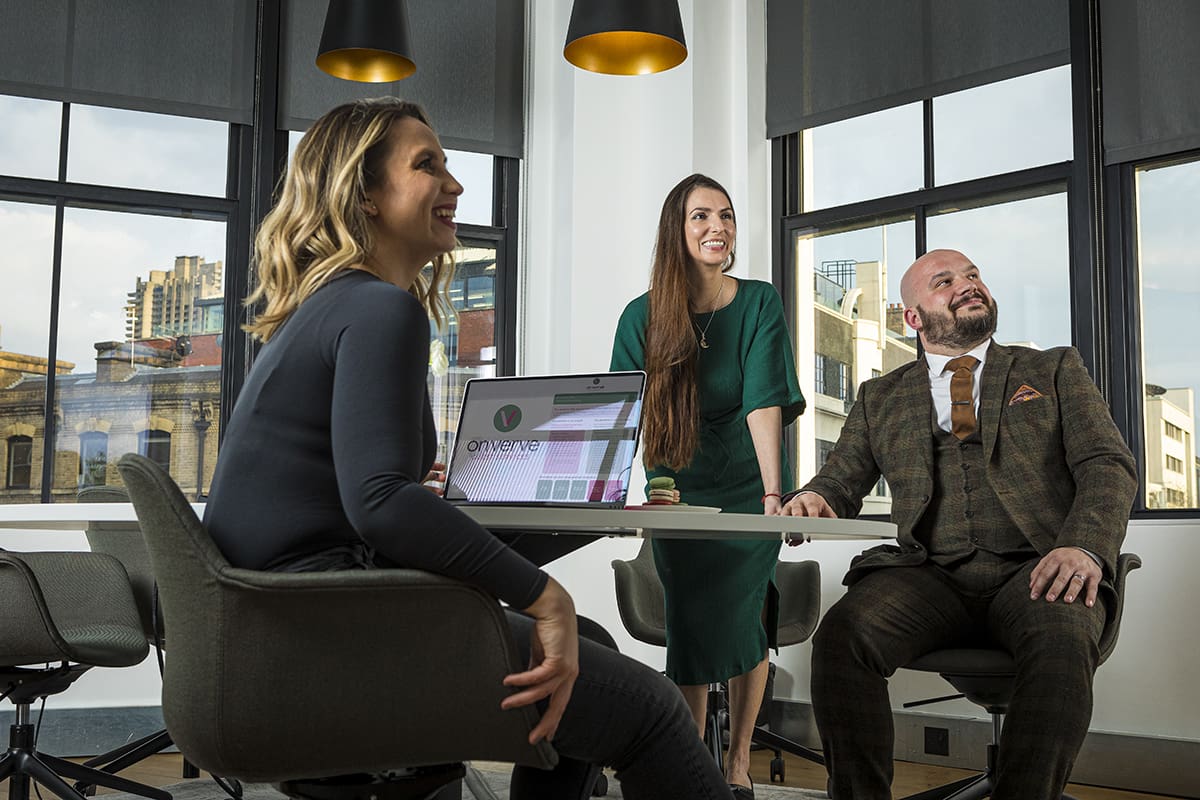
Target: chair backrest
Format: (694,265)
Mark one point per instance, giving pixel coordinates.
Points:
(128,547)
(284,675)
(640,598)
(1126,563)
(67,607)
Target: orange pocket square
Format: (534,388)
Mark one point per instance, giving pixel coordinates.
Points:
(1025,393)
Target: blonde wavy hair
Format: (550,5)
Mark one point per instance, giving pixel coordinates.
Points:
(318,228)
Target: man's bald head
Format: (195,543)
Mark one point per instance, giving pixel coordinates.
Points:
(947,303)
(923,269)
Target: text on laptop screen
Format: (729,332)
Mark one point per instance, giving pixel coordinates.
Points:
(556,439)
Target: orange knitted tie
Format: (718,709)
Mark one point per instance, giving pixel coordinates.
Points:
(962,404)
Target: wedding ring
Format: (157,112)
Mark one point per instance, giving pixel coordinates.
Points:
(1078,577)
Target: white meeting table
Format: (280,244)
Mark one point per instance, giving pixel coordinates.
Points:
(643,523)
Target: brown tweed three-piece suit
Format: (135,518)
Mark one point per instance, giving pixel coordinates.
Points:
(1046,468)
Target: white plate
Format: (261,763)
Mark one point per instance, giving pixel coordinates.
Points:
(677,507)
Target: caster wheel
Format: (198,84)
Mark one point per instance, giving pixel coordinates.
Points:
(777,770)
(600,787)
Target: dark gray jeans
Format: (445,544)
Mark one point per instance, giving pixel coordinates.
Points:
(624,715)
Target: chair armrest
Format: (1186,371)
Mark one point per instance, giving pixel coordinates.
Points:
(68,606)
(381,661)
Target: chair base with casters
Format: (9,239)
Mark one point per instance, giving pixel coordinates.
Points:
(986,676)
(641,603)
(22,762)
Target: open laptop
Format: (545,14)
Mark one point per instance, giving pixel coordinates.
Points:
(547,440)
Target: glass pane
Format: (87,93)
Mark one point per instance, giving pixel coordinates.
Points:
(875,155)
(1021,249)
(849,328)
(467,348)
(28,235)
(29,137)
(1169,264)
(1002,127)
(135,149)
(143,325)
(475,171)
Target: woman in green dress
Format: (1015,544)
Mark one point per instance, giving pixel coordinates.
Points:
(721,386)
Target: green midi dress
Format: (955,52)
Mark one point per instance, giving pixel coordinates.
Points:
(717,591)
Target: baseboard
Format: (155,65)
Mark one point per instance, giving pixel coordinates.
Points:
(1151,764)
(70,732)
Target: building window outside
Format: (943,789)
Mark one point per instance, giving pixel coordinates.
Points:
(824,448)
(156,446)
(93,459)
(19,471)
(1168,242)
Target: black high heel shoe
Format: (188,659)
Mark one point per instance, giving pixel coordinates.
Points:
(742,792)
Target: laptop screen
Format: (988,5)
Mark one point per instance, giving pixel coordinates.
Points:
(557,439)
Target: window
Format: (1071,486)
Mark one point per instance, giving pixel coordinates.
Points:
(20,462)
(93,459)
(983,171)
(874,155)
(139,320)
(1026,273)
(1004,126)
(156,446)
(1168,241)
(467,348)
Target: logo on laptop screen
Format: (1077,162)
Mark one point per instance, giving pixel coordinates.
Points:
(507,418)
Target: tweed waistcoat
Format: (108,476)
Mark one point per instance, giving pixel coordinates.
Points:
(966,529)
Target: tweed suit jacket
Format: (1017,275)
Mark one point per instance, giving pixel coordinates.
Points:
(1052,453)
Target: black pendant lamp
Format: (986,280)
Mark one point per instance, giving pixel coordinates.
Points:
(367,41)
(625,37)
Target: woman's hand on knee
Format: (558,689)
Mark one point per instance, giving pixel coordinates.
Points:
(553,662)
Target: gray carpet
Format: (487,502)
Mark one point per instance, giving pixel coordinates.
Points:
(494,776)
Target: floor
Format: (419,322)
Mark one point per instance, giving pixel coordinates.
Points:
(165,769)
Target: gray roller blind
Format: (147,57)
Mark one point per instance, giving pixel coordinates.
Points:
(470,71)
(1150,63)
(829,60)
(193,58)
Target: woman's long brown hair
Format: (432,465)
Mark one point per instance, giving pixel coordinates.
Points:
(671,411)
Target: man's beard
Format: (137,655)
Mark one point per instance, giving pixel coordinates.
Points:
(961,333)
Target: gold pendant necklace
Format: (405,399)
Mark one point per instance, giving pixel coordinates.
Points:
(704,331)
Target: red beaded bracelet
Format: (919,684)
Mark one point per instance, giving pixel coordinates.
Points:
(770,494)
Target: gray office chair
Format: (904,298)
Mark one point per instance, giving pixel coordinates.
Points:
(302,679)
(128,547)
(641,605)
(68,612)
(986,677)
